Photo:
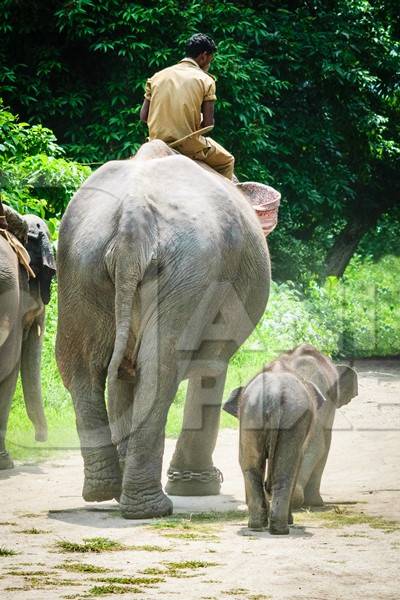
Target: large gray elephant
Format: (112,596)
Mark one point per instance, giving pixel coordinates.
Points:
(163,272)
(22,313)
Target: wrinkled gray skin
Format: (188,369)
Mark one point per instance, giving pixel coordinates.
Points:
(286,415)
(22,311)
(163,272)
(337,385)
(277,412)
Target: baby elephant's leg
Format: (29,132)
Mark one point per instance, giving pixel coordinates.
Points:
(252,462)
(312,495)
(287,458)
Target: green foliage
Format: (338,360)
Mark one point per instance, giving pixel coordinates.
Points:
(18,139)
(357,316)
(307,95)
(33,175)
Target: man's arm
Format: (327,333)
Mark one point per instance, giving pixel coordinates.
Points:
(207,108)
(144,111)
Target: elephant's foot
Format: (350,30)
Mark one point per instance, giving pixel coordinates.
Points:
(102,476)
(258,520)
(313,499)
(100,490)
(278,525)
(41,434)
(194,483)
(145,506)
(6,461)
(278,528)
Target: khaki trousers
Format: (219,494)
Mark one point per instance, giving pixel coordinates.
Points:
(207,150)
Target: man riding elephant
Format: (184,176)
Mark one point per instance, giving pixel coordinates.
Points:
(179,108)
(175,100)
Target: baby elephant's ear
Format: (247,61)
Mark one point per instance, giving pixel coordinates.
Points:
(231,406)
(347,387)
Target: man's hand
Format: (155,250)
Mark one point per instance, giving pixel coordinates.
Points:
(207,108)
(144,111)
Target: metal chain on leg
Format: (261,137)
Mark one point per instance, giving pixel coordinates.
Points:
(213,474)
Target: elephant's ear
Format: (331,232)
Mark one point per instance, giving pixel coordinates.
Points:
(318,395)
(231,406)
(347,385)
(42,259)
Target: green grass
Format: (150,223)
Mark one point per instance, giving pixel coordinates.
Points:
(192,536)
(196,526)
(149,548)
(95,544)
(143,581)
(34,582)
(189,565)
(105,590)
(21,573)
(32,531)
(341,517)
(82,568)
(101,544)
(192,520)
(358,316)
(7,552)
(178,569)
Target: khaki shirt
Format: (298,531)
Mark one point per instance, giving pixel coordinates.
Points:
(176,95)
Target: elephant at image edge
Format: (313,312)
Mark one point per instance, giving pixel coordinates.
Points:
(22,313)
(163,272)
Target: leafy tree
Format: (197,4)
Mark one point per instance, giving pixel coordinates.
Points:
(34,176)
(308,99)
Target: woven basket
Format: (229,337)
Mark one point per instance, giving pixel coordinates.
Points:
(265,200)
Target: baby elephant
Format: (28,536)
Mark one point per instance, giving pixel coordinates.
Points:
(279,415)
(338,385)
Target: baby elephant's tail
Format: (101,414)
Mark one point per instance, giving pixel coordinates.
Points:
(273,425)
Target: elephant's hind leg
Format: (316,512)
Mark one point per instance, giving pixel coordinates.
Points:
(142,494)
(192,472)
(101,466)
(287,459)
(252,458)
(312,494)
(120,405)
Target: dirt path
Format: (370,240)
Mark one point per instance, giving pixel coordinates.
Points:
(348,552)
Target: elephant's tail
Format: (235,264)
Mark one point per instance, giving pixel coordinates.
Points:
(273,425)
(134,249)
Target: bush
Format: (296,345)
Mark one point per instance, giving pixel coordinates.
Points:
(357,316)
(34,177)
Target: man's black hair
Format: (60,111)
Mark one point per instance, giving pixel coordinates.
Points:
(198,43)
